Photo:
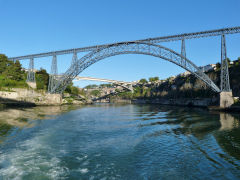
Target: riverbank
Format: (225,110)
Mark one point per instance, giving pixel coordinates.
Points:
(19,97)
(203,102)
(212,104)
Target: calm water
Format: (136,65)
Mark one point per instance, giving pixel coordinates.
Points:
(118,142)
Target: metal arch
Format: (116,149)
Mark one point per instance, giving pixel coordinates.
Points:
(130,48)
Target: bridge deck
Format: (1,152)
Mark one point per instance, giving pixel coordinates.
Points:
(177,37)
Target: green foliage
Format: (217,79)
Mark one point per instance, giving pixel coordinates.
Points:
(143,81)
(125,95)
(72,89)
(69,100)
(91,86)
(218,66)
(105,85)
(95,93)
(11,74)
(153,79)
(42,78)
(82,92)
(4,63)
(11,83)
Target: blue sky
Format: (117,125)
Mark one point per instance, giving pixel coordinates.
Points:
(37,26)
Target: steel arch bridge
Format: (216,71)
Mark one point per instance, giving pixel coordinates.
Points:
(130,48)
(143,46)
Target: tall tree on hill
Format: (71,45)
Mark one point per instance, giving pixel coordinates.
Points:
(3,63)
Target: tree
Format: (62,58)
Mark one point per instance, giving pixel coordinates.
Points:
(95,92)
(3,63)
(218,66)
(11,70)
(91,86)
(42,78)
(143,81)
(153,79)
(18,74)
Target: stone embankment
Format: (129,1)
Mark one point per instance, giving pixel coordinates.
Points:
(29,96)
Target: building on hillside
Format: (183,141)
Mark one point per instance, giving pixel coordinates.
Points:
(208,67)
(26,70)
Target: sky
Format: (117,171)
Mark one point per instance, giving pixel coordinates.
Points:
(35,26)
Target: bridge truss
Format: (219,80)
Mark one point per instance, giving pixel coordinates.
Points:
(144,46)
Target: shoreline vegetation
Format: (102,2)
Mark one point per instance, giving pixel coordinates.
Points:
(182,90)
(16,92)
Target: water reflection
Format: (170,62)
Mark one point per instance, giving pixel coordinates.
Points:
(119,141)
(11,119)
(228,121)
(198,125)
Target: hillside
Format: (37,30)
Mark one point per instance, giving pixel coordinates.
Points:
(184,85)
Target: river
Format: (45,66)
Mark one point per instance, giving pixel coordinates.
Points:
(107,141)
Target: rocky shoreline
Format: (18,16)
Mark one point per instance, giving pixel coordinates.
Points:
(18,97)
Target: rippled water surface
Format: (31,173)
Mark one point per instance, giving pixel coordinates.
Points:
(118,142)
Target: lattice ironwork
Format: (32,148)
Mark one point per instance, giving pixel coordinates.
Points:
(74,58)
(225,85)
(183,51)
(31,73)
(130,48)
(99,51)
(53,75)
(217,32)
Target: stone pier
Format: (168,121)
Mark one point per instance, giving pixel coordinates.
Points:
(226,99)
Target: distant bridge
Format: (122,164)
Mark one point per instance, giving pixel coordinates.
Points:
(148,46)
(126,85)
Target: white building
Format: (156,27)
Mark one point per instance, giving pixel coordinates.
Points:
(208,67)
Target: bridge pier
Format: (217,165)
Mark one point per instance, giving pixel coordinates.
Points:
(183,53)
(226,96)
(225,85)
(74,58)
(52,77)
(31,75)
(226,99)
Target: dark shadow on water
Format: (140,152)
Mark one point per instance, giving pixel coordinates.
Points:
(197,122)
(11,103)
